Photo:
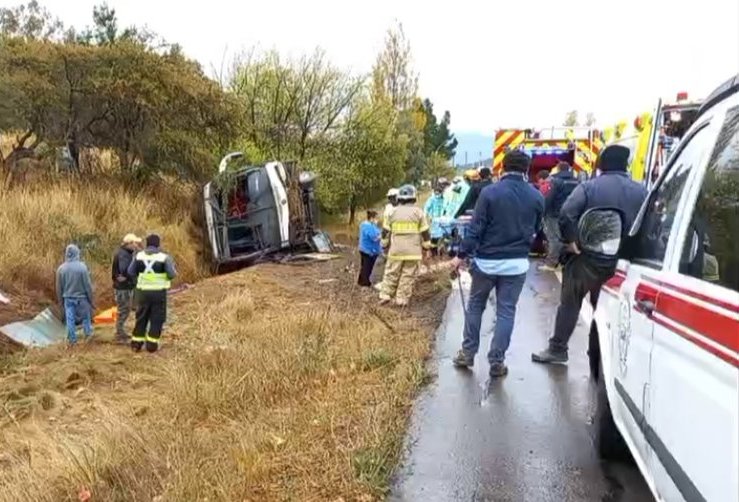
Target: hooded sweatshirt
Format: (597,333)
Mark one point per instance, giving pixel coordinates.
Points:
(73,277)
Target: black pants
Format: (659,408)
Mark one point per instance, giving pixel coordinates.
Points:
(365,271)
(579,277)
(151,312)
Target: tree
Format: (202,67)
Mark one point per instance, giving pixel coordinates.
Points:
(570,119)
(30,21)
(437,136)
(292,104)
(367,157)
(393,75)
(590,119)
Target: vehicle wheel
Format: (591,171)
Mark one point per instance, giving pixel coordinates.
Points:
(594,351)
(608,440)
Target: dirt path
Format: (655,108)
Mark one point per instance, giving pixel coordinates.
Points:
(274,383)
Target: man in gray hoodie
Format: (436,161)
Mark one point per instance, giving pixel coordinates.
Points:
(74,292)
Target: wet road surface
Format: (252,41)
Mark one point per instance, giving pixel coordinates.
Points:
(526,437)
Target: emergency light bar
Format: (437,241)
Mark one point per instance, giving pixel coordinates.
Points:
(544,151)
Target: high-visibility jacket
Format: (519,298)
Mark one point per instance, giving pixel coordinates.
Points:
(406,224)
(152,272)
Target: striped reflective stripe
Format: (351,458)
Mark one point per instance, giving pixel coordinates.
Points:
(406,227)
(135,338)
(150,339)
(405,257)
(504,140)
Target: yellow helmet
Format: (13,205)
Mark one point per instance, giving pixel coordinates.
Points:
(472,174)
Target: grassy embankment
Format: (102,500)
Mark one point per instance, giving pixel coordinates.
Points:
(273,384)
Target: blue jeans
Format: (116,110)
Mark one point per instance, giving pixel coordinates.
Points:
(77,308)
(507,290)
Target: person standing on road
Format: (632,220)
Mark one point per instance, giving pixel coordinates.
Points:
(74,292)
(507,216)
(476,188)
(562,185)
(369,247)
(153,271)
(612,189)
(406,234)
(123,284)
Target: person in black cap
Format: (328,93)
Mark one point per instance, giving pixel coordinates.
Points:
(153,271)
(614,188)
(507,216)
(470,200)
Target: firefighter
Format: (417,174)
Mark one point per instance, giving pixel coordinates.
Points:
(392,201)
(406,234)
(153,271)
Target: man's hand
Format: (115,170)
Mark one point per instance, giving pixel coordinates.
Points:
(121,278)
(456,263)
(572,248)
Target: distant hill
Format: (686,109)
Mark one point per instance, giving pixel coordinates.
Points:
(476,146)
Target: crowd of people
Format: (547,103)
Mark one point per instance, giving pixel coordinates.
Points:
(509,215)
(141,274)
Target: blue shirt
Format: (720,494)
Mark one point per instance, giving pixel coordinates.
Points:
(510,266)
(369,238)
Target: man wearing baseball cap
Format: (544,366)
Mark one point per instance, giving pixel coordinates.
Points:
(123,284)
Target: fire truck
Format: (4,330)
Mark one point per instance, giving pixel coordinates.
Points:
(651,141)
(578,146)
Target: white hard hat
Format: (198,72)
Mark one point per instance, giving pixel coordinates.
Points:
(131,239)
(407,193)
(393,192)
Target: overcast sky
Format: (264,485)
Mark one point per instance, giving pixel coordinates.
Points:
(491,63)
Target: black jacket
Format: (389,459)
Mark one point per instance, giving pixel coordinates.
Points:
(507,216)
(611,189)
(121,261)
(473,194)
(563,184)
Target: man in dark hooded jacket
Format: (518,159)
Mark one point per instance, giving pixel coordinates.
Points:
(470,200)
(74,292)
(614,188)
(562,185)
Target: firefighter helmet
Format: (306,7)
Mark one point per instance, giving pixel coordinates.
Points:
(407,193)
(393,192)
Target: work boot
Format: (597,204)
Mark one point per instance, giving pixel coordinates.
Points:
(462,360)
(548,356)
(498,370)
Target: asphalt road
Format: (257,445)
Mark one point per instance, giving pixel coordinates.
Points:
(526,437)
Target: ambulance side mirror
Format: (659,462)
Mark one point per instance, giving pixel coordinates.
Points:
(599,231)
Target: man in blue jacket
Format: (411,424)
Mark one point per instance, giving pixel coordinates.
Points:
(614,188)
(507,216)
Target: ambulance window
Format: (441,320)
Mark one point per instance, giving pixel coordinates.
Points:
(711,247)
(654,233)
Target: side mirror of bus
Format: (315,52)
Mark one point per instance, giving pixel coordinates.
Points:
(600,231)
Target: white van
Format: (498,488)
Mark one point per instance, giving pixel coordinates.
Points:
(665,336)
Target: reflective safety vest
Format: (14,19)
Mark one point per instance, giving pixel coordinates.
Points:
(152,273)
(405,224)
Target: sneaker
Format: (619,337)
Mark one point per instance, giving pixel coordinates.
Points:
(547,268)
(401,303)
(498,370)
(462,360)
(119,340)
(547,356)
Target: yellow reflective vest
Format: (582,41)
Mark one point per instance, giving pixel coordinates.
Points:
(152,273)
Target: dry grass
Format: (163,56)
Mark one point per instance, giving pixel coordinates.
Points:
(271,386)
(36,223)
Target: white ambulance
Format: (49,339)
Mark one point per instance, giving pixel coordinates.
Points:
(665,338)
